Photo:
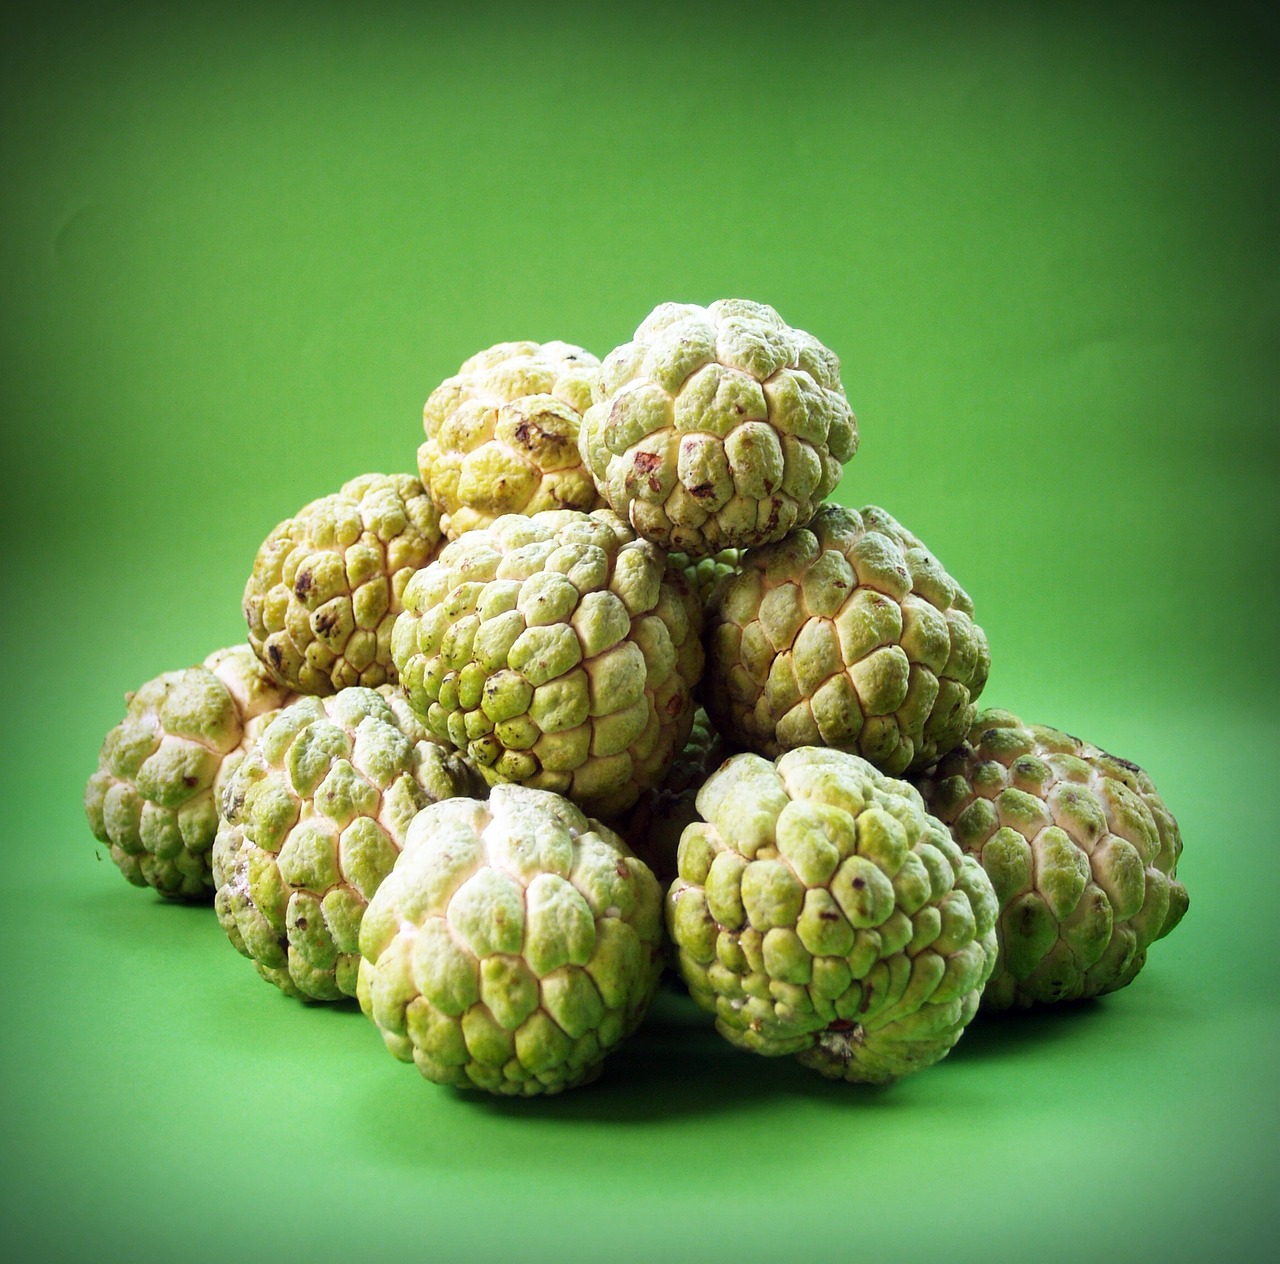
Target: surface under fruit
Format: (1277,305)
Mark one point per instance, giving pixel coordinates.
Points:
(1081,850)
(821,911)
(515,943)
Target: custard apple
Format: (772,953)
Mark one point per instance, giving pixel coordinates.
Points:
(718,427)
(652,828)
(313,820)
(154,797)
(847,634)
(1081,850)
(558,651)
(502,435)
(514,944)
(704,573)
(326,584)
(821,911)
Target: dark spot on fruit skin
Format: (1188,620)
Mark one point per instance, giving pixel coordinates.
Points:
(620,868)
(325,622)
(302,923)
(829,916)
(859,883)
(1125,763)
(842,1024)
(273,653)
(303,585)
(702,490)
(646,462)
(189,781)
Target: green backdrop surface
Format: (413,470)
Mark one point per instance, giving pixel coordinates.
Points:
(239,244)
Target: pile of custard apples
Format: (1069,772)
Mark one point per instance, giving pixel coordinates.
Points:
(609,689)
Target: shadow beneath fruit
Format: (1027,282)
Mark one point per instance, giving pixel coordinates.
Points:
(1012,1033)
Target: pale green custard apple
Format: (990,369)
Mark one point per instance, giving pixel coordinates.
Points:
(559,651)
(514,944)
(652,828)
(502,435)
(154,797)
(1081,850)
(704,573)
(326,583)
(820,911)
(847,634)
(313,820)
(718,427)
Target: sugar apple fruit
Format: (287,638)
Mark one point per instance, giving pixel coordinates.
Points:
(704,573)
(558,651)
(718,427)
(514,944)
(847,634)
(502,435)
(821,911)
(313,820)
(326,584)
(154,797)
(1081,850)
(652,828)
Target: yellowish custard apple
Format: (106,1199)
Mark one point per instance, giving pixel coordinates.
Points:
(718,427)
(559,651)
(326,584)
(313,820)
(1081,850)
(514,944)
(154,797)
(502,435)
(847,634)
(820,911)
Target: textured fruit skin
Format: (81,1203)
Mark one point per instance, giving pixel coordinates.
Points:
(313,820)
(558,651)
(704,573)
(1081,850)
(514,944)
(718,427)
(502,435)
(326,584)
(154,797)
(821,911)
(652,828)
(847,634)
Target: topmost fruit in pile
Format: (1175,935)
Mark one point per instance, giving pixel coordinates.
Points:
(502,435)
(718,427)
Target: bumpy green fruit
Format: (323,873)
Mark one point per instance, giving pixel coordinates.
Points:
(154,797)
(821,911)
(313,820)
(652,828)
(847,634)
(515,943)
(558,651)
(502,435)
(1081,849)
(718,427)
(704,573)
(326,584)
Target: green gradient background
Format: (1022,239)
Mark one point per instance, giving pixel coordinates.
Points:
(239,245)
